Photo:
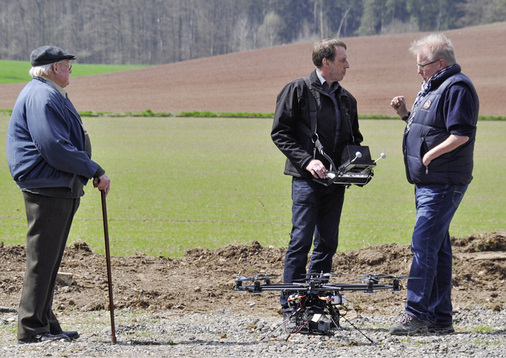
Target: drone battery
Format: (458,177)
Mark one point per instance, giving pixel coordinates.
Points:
(320,323)
(316,317)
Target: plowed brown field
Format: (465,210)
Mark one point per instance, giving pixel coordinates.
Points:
(381,67)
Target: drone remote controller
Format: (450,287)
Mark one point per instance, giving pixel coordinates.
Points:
(356,168)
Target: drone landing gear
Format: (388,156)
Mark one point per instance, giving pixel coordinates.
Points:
(325,323)
(310,317)
(307,322)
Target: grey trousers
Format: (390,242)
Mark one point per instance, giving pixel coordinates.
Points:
(49,220)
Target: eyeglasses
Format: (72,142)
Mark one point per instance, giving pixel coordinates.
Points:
(426,64)
(67,64)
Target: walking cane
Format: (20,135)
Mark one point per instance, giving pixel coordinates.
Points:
(108,260)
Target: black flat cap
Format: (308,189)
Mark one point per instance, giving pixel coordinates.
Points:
(49,54)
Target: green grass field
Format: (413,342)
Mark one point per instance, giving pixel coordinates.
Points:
(208,182)
(17,71)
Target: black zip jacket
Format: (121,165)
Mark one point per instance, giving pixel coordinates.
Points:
(292,112)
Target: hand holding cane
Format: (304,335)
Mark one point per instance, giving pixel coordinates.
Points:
(103,193)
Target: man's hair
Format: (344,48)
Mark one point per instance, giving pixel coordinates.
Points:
(38,71)
(435,46)
(326,49)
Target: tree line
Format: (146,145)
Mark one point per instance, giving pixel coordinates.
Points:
(164,31)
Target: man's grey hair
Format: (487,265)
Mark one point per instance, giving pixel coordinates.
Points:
(39,71)
(436,46)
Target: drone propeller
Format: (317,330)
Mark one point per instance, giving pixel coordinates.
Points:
(373,279)
(324,276)
(331,274)
(321,274)
(243,279)
(260,276)
(376,276)
(385,276)
(263,277)
(266,278)
(407,278)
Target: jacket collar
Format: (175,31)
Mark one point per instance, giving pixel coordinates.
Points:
(440,76)
(317,81)
(54,84)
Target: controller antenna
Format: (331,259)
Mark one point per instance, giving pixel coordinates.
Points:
(357,156)
(382,156)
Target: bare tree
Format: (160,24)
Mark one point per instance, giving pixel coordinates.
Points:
(269,30)
(163,31)
(338,34)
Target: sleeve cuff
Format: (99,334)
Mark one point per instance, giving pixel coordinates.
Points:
(99,172)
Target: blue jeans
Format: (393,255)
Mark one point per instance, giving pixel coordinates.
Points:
(316,211)
(429,293)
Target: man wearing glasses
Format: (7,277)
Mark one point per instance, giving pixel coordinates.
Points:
(438,150)
(49,156)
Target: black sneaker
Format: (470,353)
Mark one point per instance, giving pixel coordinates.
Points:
(408,326)
(44,337)
(439,328)
(71,334)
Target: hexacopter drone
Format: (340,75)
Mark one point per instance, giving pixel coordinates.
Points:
(317,305)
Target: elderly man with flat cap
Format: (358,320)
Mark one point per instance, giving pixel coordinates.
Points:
(49,156)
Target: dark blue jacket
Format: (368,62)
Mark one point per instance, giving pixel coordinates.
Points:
(46,141)
(292,116)
(451,106)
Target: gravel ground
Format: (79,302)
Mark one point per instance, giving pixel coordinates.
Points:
(479,333)
(158,315)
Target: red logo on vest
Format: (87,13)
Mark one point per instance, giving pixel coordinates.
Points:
(427,104)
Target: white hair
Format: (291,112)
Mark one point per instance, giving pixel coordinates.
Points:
(437,46)
(38,71)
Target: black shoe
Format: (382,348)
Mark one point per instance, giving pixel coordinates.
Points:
(408,326)
(71,334)
(44,337)
(439,328)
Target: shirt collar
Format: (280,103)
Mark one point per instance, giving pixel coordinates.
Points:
(335,85)
(55,85)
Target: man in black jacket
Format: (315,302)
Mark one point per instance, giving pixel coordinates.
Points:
(316,208)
